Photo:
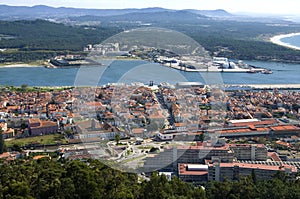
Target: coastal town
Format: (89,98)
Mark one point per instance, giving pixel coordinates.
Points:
(149,99)
(194,131)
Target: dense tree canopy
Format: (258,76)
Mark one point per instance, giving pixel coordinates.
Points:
(2,143)
(46,178)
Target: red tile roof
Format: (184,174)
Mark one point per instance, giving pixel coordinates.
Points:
(263,122)
(284,128)
(182,170)
(274,156)
(258,166)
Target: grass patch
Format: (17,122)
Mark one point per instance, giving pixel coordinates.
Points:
(133,159)
(144,147)
(44,139)
(26,88)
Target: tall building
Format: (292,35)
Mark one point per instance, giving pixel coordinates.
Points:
(249,151)
(173,160)
(170,157)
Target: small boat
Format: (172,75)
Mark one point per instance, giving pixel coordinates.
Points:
(266,71)
(251,71)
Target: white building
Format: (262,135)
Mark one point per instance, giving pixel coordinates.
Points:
(164,136)
(223,61)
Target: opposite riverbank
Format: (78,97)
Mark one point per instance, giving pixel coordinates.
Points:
(18,66)
(37,63)
(277,40)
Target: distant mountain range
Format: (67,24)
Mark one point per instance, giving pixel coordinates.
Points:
(41,11)
(153,18)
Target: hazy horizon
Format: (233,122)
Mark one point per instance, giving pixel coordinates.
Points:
(288,7)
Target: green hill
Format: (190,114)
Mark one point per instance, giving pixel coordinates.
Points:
(45,35)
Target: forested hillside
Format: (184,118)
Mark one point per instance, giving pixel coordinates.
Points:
(39,39)
(28,41)
(230,37)
(45,35)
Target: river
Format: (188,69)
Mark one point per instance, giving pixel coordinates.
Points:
(142,71)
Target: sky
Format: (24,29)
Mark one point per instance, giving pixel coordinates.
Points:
(288,7)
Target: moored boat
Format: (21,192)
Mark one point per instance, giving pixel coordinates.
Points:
(266,71)
(251,71)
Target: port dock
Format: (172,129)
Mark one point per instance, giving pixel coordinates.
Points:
(218,64)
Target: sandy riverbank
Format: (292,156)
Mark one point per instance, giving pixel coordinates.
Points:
(277,40)
(19,65)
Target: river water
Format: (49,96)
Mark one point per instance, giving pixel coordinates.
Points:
(142,71)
